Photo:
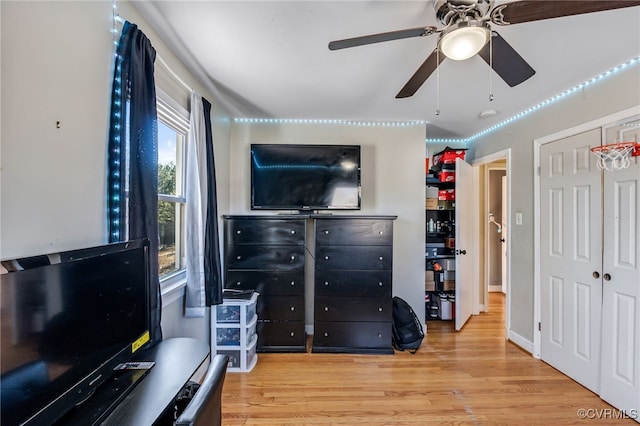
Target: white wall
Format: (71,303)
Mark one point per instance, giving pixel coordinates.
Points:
(607,96)
(57,60)
(392,184)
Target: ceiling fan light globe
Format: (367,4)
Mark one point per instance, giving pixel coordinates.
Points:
(463,42)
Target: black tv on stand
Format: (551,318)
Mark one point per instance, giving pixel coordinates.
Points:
(65,326)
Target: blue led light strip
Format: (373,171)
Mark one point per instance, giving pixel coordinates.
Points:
(330,121)
(540,105)
(484,132)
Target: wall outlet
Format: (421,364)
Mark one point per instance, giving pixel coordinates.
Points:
(518,218)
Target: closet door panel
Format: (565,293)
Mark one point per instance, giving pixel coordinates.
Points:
(620,380)
(570,254)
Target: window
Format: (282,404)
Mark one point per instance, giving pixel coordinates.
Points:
(173,125)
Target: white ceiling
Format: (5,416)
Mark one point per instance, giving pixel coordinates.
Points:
(270,58)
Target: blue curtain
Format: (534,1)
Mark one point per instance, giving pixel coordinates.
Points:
(134,168)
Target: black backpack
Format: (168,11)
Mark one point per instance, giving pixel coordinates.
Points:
(407,329)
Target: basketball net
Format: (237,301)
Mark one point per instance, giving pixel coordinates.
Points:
(616,156)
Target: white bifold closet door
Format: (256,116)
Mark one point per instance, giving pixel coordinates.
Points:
(590,269)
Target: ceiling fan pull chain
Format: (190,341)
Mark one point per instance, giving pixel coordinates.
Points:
(437,82)
(491,67)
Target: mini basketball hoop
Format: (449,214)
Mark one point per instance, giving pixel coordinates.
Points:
(615,156)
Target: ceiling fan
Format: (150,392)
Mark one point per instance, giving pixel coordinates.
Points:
(467,31)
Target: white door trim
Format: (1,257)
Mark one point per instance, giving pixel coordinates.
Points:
(490,158)
(537,144)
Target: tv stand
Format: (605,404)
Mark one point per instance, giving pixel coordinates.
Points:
(140,397)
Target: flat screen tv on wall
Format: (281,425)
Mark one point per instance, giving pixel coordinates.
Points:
(305,177)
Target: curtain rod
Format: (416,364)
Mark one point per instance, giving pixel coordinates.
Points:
(121,20)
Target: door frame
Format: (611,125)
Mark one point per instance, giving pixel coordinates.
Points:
(476,163)
(537,145)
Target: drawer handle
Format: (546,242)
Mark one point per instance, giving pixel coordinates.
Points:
(238,283)
(380,284)
(380,309)
(238,232)
(293,308)
(292,334)
(326,308)
(326,283)
(381,232)
(380,258)
(380,335)
(293,232)
(326,258)
(326,334)
(326,232)
(238,257)
(293,283)
(293,258)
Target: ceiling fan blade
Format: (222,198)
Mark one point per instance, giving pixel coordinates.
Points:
(378,38)
(534,10)
(507,63)
(421,75)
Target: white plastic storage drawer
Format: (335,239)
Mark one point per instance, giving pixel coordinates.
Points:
(232,335)
(241,360)
(231,310)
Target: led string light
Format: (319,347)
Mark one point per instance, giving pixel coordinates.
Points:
(540,105)
(331,121)
(484,132)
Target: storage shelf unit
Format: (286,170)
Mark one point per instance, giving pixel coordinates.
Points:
(234,332)
(440,249)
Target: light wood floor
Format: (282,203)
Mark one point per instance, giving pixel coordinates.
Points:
(456,378)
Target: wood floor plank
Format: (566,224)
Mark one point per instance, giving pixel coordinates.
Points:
(471,377)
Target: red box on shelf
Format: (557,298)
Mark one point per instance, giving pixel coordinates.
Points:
(447,176)
(448,156)
(447,194)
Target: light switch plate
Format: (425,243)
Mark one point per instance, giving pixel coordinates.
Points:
(518,218)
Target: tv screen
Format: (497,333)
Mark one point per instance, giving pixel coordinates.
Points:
(65,326)
(305,177)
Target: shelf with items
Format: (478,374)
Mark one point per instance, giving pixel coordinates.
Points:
(440,231)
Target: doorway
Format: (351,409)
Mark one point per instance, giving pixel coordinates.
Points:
(493,224)
(494,239)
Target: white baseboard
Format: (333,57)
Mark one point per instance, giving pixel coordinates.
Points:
(495,289)
(517,339)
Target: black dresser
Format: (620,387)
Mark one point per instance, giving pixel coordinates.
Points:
(267,254)
(353,284)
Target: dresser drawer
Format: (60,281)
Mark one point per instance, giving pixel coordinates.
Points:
(353,258)
(274,335)
(267,283)
(265,231)
(354,232)
(327,308)
(284,308)
(353,283)
(279,258)
(351,335)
